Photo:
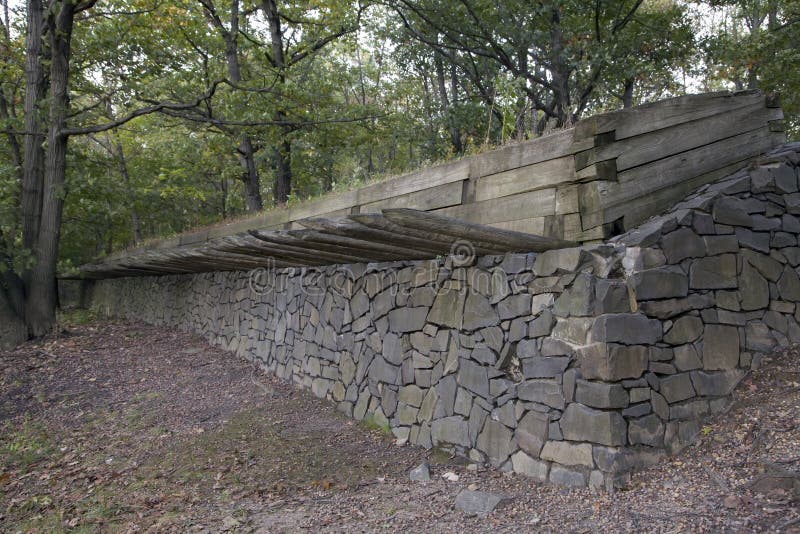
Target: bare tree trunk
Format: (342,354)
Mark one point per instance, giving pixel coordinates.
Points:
(42,296)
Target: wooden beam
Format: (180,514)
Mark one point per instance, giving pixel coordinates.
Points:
(513,241)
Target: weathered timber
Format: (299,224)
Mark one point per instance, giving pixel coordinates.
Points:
(284,238)
(604,202)
(651,146)
(494,210)
(521,179)
(380,222)
(375,251)
(247,244)
(415,181)
(514,241)
(351,228)
(440,196)
(664,113)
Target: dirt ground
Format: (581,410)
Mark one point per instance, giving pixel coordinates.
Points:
(123,427)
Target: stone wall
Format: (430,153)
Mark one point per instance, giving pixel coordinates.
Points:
(575,366)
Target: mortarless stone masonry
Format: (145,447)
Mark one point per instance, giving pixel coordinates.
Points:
(575,366)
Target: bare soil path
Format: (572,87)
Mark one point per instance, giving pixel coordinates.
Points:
(123,427)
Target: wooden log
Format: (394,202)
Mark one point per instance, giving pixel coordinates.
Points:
(380,222)
(513,241)
(651,146)
(327,205)
(253,245)
(378,251)
(541,175)
(351,228)
(662,114)
(284,238)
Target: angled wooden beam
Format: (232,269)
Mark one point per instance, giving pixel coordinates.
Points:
(476,233)
(378,251)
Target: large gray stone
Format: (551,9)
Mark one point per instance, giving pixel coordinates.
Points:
(627,328)
(411,395)
(548,392)
(479,503)
(562,476)
(714,272)
(525,465)
(404,320)
(531,433)
(542,325)
(566,260)
(660,283)
(544,367)
(681,244)
(686,358)
(581,423)
(611,296)
(612,362)
(495,441)
(381,371)
(677,387)
(720,347)
(566,453)
(753,288)
(478,313)
(601,394)
(758,338)
(394,348)
(514,306)
(716,384)
(474,377)
(578,300)
(731,211)
(448,308)
(789,285)
(684,330)
(450,430)
(648,430)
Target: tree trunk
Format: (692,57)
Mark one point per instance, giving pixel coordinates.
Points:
(12,328)
(283,172)
(42,291)
(627,93)
(33,152)
(136,228)
(250,177)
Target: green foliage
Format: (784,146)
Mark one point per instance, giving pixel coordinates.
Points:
(369,90)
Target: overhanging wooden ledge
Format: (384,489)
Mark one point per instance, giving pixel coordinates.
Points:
(393,234)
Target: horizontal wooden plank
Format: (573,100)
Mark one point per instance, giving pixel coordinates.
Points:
(553,146)
(325,206)
(664,113)
(528,178)
(494,210)
(533,225)
(440,196)
(651,146)
(415,181)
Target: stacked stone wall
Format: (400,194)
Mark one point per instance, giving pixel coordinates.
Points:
(575,366)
